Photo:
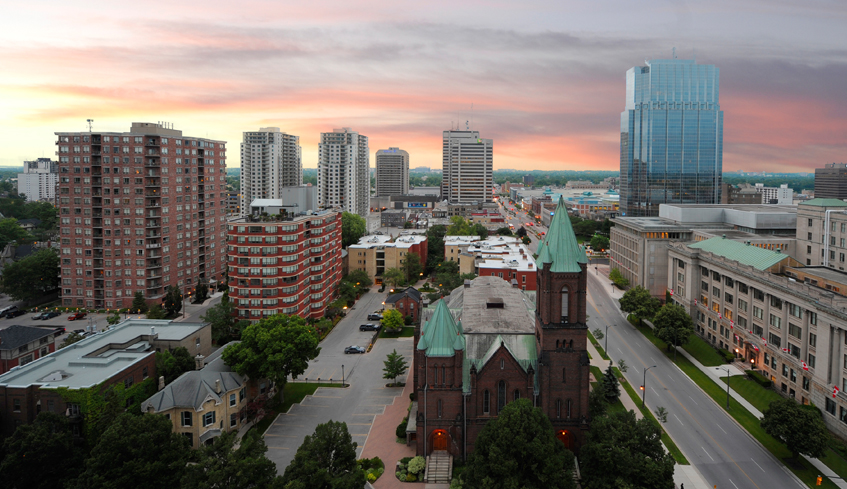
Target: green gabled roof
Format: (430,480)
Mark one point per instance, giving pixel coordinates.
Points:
(441,336)
(522,347)
(825,203)
(560,247)
(743,253)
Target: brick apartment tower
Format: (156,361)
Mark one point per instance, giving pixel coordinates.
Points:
(139,211)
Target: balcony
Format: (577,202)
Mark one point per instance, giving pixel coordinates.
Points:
(153,245)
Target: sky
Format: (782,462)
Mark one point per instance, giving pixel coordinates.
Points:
(544,79)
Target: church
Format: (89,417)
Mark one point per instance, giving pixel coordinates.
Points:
(489,343)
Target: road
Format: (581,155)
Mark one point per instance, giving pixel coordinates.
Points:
(723,452)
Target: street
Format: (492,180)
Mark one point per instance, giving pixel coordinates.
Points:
(723,452)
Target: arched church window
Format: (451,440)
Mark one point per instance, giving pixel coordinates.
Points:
(558,408)
(486,402)
(501,396)
(517,394)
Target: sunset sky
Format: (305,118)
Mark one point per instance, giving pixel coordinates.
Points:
(546,78)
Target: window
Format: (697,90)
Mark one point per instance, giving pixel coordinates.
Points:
(813,317)
(209,418)
(813,339)
(233,419)
(830,406)
(795,331)
(793,376)
(232,400)
(242,393)
(742,305)
(144,373)
(775,321)
(501,396)
(486,402)
(757,312)
(558,408)
(564,377)
(805,383)
(16,405)
(440,408)
(186,418)
(774,340)
(517,395)
(785,370)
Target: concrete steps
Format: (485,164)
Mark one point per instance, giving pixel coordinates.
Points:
(439,467)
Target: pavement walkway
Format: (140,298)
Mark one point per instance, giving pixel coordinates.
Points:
(597,361)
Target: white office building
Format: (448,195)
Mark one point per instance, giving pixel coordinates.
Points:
(344,171)
(39,179)
(468,165)
(270,161)
(776,195)
(392,172)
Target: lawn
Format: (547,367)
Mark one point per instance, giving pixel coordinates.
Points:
(294,392)
(599,348)
(703,352)
(744,417)
(406,332)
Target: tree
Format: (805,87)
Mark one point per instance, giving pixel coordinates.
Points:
(622,366)
(435,246)
(223,466)
(618,279)
(138,303)
(412,267)
(201,293)
(156,312)
(115,318)
(395,366)
(408,225)
(519,448)
(173,363)
(526,240)
(47,442)
(326,459)
(479,230)
(136,451)
(801,429)
(459,226)
(392,320)
(359,277)
(598,334)
(599,243)
(274,348)
(71,339)
(586,227)
(521,232)
(353,227)
(173,300)
(623,452)
(661,414)
(32,277)
(11,231)
(673,325)
(597,402)
(610,384)
(393,277)
(640,303)
(221,317)
(504,231)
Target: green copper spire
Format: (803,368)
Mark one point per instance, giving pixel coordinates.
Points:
(441,336)
(560,247)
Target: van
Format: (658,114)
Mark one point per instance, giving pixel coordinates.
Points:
(7,310)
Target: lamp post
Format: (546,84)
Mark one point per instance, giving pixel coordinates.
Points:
(727,387)
(606,343)
(342,376)
(644,386)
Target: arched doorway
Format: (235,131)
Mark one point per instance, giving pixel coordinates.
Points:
(439,440)
(565,437)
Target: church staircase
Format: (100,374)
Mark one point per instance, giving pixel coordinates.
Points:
(439,467)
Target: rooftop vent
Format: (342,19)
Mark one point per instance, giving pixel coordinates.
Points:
(494,303)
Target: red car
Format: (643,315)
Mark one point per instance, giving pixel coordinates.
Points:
(75,316)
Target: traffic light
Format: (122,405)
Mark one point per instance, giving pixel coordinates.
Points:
(818,481)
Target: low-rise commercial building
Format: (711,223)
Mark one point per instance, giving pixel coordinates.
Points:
(289,265)
(20,345)
(376,254)
(500,256)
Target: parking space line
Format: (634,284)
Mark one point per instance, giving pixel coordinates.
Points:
(328,397)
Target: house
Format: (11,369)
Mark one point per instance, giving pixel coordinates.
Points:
(490,343)
(20,345)
(29,224)
(407,302)
(202,404)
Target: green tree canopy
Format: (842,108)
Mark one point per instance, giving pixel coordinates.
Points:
(479,230)
(353,227)
(623,452)
(70,339)
(672,324)
(599,243)
(222,319)
(459,226)
(156,312)
(393,277)
(173,300)
(521,232)
(114,318)
(136,451)
(392,320)
(519,449)
(395,366)
(201,293)
(412,267)
(274,348)
(173,363)
(138,303)
(618,279)
(639,302)
(11,231)
(32,277)
(435,246)
(33,448)
(611,386)
(326,459)
(801,429)
(223,466)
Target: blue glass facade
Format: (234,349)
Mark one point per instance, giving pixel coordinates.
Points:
(671,136)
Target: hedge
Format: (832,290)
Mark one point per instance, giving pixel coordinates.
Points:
(728,355)
(401,428)
(759,378)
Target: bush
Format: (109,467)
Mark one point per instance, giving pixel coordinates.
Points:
(405,460)
(401,428)
(371,478)
(411,478)
(759,378)
(416,465)
(398,473)
(727,355)
(411,396)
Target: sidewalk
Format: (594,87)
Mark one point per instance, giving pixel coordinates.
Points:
(597,361)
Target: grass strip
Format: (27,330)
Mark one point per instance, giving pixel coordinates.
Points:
(703,352)
(600,349)
(406,332)
(745,418)
(293,393)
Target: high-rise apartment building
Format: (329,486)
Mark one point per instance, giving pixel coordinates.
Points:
(468,166)
(270,160)
(139,211)
(392,172)
(38,181)
(831,181)
(344,171)
(288,265)
(671,137)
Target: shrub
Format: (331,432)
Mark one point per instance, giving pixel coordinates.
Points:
(405,460)
(759,378)
(371,478)
(727,355)
(416,465)
(401,428)
(411,396)
(411,478)
(397,474)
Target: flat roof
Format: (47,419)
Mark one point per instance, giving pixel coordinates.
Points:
(98,357)
(516,316)
(375,240)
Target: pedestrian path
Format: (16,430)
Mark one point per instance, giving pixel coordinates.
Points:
(597,361)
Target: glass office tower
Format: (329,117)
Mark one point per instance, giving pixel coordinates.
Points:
(671,137)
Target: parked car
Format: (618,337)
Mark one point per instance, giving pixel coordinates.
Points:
(7,310)
(75,316)
(58,332)
(374,316)
(50,315)
(14,314)
(354,349)
(369,327)
(79,331)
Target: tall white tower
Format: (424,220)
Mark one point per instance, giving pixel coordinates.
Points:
(270,161)
(468,167)
(392,172)
(344,171)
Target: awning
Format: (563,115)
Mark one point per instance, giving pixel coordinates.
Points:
(753,345)
(209,435)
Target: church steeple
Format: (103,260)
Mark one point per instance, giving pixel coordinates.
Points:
(560,248)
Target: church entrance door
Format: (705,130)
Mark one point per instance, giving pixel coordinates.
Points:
(439,440)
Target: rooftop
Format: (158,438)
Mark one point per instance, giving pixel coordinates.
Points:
(17,336)
(403,241)
(743,253)
(410,292)
(825,203)
(100,356)
(471,304)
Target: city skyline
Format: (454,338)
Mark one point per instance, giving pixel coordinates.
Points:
(545,81)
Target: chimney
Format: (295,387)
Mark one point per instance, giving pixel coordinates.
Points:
(218,386)
(161,382)
(198,362)
(152,331)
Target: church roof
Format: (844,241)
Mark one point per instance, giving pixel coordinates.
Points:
(482,347)
(560,247)
(441,336)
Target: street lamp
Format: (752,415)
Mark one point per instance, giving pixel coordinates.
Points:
(342,376)
(727,387)
(644,386)
(606,344)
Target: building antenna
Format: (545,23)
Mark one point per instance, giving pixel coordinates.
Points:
(89,124)
(471,113)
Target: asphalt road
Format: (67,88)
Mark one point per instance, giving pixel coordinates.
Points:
(723,452)
(356,405)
